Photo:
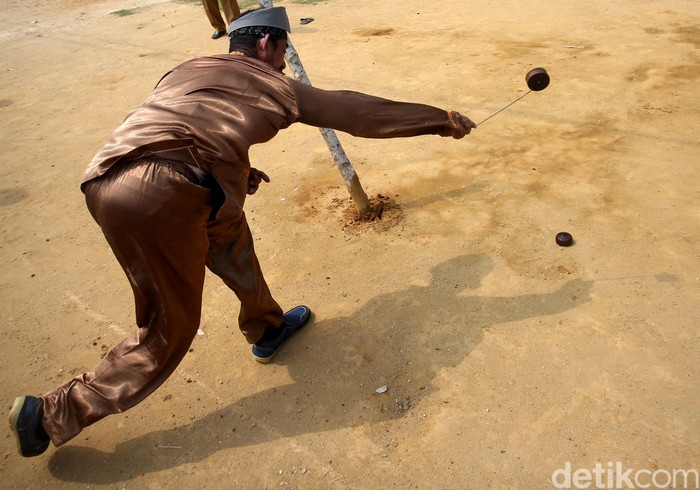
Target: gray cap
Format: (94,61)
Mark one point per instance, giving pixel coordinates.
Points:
(266,17)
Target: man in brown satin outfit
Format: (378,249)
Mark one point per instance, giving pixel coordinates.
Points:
(168,191)
(231,13)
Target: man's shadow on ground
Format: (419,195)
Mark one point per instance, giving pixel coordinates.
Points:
(401,339)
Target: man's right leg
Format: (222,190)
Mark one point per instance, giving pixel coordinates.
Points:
(232,257)
(154,219)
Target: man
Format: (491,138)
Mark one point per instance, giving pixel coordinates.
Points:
(168,191)
(231,13)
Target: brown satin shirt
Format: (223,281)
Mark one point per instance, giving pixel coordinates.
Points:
(209,111)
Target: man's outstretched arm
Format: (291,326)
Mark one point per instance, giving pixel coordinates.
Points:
(368,116)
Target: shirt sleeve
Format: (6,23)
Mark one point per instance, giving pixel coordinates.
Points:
(367,116)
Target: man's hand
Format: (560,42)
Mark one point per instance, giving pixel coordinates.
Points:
(460,125)
(256,176)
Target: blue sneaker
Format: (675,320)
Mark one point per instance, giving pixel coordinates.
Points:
(25,422)
(293,321)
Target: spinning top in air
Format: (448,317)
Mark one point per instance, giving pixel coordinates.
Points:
(537,79)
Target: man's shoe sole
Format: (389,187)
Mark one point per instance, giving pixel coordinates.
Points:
(265,360)
(14,417)
(15,412)
(34,443)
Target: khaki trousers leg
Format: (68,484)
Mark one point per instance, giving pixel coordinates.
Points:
(211,7)
(155,221)
(231,10)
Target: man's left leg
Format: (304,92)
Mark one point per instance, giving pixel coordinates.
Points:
(154,219)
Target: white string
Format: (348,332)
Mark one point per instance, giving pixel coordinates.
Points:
(506,107)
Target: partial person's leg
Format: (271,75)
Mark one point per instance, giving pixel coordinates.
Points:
(155,221)
(232,258)
(211,7)
(231,10)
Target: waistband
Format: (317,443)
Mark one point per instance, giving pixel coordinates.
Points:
(194,174)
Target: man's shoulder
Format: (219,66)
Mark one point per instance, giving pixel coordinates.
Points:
(228,60)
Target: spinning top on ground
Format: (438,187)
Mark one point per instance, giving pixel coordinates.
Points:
(537,79)
(564,239)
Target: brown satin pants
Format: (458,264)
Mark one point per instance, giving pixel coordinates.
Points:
(231,13)
(157,222)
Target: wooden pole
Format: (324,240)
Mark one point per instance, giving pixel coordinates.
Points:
(352,181)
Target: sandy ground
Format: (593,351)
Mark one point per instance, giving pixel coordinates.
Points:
(505,356)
